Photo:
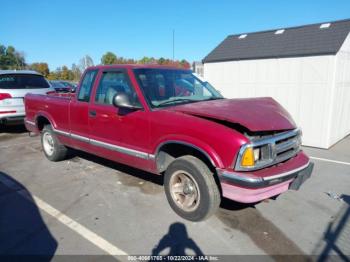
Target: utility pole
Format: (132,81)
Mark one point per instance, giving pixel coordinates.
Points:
(173,45)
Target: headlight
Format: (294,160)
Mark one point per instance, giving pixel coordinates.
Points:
(256,155)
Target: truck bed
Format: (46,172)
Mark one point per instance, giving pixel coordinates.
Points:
(55,106)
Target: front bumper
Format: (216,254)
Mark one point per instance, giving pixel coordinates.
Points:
(250,187)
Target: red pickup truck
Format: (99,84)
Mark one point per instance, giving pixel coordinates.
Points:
(169,122)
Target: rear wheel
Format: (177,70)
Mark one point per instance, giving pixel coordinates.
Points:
(191,189)
(53,149)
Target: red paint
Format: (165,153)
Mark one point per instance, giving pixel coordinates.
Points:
(256,114)
(145,130)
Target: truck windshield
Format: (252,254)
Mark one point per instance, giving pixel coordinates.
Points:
(22,81)
(168,87)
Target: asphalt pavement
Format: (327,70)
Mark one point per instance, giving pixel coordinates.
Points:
(86,205)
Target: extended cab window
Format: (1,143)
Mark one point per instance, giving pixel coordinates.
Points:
(113,82)
(86,86)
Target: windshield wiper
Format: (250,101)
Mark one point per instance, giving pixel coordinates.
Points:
(213,98)
(177,100)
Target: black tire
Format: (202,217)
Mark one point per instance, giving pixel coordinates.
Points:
(59,151)
(204,181)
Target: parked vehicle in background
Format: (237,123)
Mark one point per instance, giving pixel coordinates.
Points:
(169,122)
(63,86)
(70,85)
(58,86)
(14,85)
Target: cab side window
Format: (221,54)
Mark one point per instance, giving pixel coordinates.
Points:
(111,83)
(86,86)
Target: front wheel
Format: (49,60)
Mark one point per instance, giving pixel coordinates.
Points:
(53,149)
(191,189)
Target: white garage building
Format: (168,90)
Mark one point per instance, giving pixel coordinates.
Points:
(305,68)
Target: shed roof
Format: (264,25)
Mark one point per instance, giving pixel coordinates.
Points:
(308,40)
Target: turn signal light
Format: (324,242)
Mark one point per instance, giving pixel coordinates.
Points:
(4,96)
(248,158)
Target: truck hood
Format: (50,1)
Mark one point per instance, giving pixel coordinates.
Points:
(255,114)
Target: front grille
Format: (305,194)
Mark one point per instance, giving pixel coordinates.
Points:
(279,147)
(287,147)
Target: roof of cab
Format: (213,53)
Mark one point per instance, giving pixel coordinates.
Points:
(136,66)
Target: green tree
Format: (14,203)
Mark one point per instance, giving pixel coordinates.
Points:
(109,58)
(10,58)
(130,61)
(55,75)
(147,60)
(185,64)
(42,68)
(2,50)
(64,73)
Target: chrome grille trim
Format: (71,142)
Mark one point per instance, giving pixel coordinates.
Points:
(282,147)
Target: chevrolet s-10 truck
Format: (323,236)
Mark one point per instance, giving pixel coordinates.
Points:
(169,122)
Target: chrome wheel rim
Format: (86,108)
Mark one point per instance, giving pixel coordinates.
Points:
(184,190)
(48,144)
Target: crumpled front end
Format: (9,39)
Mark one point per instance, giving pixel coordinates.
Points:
(265,167)
(251,187)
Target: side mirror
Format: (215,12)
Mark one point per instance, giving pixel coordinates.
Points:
(122,100)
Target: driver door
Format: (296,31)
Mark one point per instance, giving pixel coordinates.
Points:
(117,133)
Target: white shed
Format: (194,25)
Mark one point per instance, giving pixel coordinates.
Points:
(305,68)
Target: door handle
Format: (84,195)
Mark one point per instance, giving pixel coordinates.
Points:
(92,113)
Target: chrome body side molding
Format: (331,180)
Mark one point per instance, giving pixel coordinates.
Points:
(120,149)
(105,145)
(30,123)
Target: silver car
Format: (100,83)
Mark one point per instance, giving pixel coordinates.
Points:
(14,85)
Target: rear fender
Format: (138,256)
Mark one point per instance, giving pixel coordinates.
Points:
(47,116)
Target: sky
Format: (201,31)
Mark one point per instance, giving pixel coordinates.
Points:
(62,32)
